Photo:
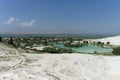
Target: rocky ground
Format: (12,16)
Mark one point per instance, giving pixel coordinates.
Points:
(27,66)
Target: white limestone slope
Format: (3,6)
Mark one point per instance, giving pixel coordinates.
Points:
(113,70)
(113,40)
(7,51)
(56,67)
(60,67)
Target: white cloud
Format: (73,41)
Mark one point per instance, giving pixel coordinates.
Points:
(31,23)
(10,20)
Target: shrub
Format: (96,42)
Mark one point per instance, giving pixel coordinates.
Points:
(107,43)
(116,51)
(95,52)
(85,42)
(99,42)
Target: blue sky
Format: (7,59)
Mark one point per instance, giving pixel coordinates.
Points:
(60,16)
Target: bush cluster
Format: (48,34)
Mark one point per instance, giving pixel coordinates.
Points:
(116,51)
(56,50)
(73,45)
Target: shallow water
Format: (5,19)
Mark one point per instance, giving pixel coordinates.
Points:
(86,48)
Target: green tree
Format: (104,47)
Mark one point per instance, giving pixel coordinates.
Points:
(11,40)
(0,39)
(45,42)
(71,40)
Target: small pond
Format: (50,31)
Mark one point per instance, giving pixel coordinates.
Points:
(86,48)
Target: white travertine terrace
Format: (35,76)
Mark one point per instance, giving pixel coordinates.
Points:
(16,65)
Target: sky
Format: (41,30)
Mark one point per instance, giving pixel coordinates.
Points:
(60,16)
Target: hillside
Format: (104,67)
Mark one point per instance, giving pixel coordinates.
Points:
(76,66)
